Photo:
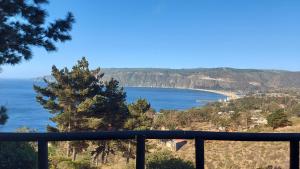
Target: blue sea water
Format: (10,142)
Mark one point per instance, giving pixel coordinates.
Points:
(18,97)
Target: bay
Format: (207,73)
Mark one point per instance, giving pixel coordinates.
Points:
(18,97)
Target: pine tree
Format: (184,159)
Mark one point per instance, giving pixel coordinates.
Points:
(113,117)
(141,115)
(81,101)
(22,25)
(140,118)
(278,119)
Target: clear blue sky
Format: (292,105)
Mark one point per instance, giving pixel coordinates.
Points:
(174,34)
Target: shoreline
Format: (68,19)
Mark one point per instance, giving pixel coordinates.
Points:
(228,94)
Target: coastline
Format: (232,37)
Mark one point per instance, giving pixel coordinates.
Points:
(230,95)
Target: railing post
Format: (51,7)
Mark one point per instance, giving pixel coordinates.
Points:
(199,148)
(140,152)
(42,154)
(294,154)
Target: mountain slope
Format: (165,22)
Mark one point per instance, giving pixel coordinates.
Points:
(206,78)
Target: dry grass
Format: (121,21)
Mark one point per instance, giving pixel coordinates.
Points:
(224,154)
(241,155)
(238,155)
(229,154)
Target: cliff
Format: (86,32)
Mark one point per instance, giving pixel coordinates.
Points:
(206,78)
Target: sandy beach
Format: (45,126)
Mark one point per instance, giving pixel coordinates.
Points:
(231,95)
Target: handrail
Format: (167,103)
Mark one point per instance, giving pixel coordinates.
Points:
(140,136)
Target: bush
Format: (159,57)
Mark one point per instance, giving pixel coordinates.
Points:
(17,155)
(68,164)
(165,160)
(278,119)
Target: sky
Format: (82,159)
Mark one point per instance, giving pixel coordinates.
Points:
(259,34)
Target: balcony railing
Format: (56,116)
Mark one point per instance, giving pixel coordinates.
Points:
(140,136)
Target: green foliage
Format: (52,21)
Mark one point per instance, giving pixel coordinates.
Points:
(172,119)
(23,25)
(140,118)
(167,119)
(3,115)
(68,164)
(141,106)
(81,101)
(141,115)
(235,115)
(278,119)
(17,155)
(200,114)
(79,96)
(165,160)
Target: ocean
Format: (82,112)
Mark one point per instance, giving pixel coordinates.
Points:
(18,97)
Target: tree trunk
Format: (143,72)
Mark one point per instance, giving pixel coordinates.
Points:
(69,149)
(103,155)
(128,152)
(97,161)
(69,143)
(107,153)
(74,153)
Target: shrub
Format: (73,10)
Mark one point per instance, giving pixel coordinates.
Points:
(278,119)
(17,155)
(165,160)
(68,164)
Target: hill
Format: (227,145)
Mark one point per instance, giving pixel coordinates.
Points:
(226,79)
(206,78)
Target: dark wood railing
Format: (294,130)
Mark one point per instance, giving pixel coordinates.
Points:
(140,136)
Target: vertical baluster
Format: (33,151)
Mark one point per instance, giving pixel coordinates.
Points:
(140,152)
(199,148)
(294,154)
(42,154)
